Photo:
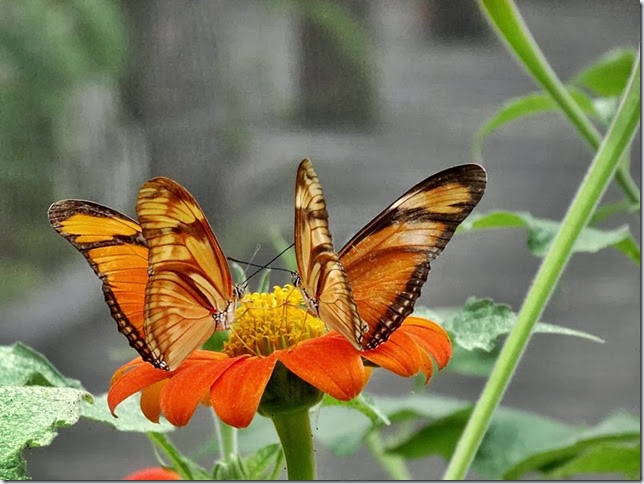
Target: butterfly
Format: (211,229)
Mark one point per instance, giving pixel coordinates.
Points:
(367,289)
(165,278)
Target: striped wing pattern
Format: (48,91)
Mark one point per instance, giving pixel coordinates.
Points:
(189,294)
(388,261)
(115,248)
(322,279)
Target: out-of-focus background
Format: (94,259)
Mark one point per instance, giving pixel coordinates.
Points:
(226,97)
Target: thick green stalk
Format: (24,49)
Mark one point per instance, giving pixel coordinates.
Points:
(505,17)
(594,184)
(296,437)
(394,465)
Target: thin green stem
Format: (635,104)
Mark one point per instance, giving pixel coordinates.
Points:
(592,187)
(296,437)
(394,465)
(506,19)
(227,439)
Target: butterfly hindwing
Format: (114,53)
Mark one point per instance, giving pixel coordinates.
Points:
(388,261)
(115,248)
(189,293)
(323,281)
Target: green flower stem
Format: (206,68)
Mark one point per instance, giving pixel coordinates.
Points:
(294,431)
(505,17)
(599,174)
(394,465)
(227,439)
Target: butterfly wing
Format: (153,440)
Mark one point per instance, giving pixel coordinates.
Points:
(189,293)
(388,261)
(323,280)
(115,248)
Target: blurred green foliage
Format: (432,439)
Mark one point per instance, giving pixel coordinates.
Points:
(47,50)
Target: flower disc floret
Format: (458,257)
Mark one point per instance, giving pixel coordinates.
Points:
(266,322)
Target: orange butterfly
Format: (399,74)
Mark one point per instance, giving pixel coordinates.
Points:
(367,289)
(166,281)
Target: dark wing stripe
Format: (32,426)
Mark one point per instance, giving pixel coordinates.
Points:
(391,255)
(62,211)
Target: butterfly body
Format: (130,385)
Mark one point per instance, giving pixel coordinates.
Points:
(165,278)
(385,264)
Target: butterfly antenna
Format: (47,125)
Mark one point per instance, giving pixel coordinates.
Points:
(269,263)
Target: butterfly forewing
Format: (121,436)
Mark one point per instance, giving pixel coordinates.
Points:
(388,261)
(323,280)
(189,293)
(115,248)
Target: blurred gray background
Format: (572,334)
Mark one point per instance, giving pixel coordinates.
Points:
(226,97)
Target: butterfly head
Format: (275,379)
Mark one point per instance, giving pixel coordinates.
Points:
(239,291)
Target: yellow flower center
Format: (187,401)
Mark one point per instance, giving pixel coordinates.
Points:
(265,322)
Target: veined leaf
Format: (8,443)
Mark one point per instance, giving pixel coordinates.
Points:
(516,442)
(612,458)
(480,322)
(541,232)
(560,457)
(29,417)
(526,105)
(130,418)
(24,366)
(264,463)
(609,74)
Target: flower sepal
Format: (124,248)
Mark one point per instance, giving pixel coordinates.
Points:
(286,393)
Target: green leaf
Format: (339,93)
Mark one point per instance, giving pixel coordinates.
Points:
(601,459)
(130,418)
(609,74)
(511,435)
(231,470)
(526,105)
(541,232)
(29,417)
(264,463)
(480,322)
(516,442)
(21,365)
(185,467)
(618,429)
(363,404)
(474,362)
(610,209)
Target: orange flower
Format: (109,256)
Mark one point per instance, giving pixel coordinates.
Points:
(153,474)
(273,330)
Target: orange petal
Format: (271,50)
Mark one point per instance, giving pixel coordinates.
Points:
(328,363)
(129,366)
(236,394)
(133,381)
(187,388)
(150,401)
(399,354)
(431,337)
